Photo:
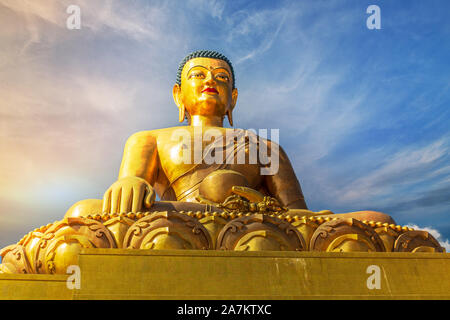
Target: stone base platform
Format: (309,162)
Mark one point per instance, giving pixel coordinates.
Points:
(214,274)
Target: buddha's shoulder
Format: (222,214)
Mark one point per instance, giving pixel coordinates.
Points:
(157,133)
(174,132)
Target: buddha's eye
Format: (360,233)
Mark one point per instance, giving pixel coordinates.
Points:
(197,75)
(222,77)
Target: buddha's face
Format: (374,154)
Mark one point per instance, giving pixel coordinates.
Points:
(206,87)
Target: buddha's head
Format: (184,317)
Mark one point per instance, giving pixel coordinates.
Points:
(205,86)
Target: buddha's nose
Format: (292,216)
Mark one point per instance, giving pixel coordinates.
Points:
(209,78)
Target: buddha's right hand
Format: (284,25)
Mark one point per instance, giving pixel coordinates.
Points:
(129,194)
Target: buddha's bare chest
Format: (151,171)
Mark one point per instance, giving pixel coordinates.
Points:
(183,162)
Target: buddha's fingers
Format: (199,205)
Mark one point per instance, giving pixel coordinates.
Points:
(150,197)
(116,196)
(248,193)
(125,199)
(138,198)
(107,201)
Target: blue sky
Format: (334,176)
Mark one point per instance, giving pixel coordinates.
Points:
(363,114)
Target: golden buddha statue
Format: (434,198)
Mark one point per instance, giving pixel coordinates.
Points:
(207,201)
(205,93)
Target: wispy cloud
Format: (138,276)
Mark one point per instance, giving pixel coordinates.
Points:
(268,23)
(214,8)
(436,197)
(129,19)
(409,165)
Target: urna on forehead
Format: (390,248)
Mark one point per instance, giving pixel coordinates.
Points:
(204,54)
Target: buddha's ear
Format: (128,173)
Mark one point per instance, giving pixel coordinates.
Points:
(234,95)
(178,98)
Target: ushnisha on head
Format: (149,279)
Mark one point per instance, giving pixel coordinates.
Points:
(205,88)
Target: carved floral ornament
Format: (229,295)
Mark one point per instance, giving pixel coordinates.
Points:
(51,248)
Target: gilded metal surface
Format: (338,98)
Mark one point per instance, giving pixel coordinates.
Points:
(237,204)
(388,236)
(120,274)
(218,185)
(167,230)
(417,241)
(259,232)
(14,260)
(59,243)
(229,206)
(346,235)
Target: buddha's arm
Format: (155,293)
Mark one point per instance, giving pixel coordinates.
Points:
(140,157)
(283,184)
(137,174)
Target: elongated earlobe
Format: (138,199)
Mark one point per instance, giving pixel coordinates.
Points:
(177,98)
(230,117)
(182,113)
(229,112)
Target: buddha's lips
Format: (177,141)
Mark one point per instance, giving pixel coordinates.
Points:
(210,90)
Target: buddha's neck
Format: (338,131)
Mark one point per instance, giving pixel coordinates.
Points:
(209,121)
